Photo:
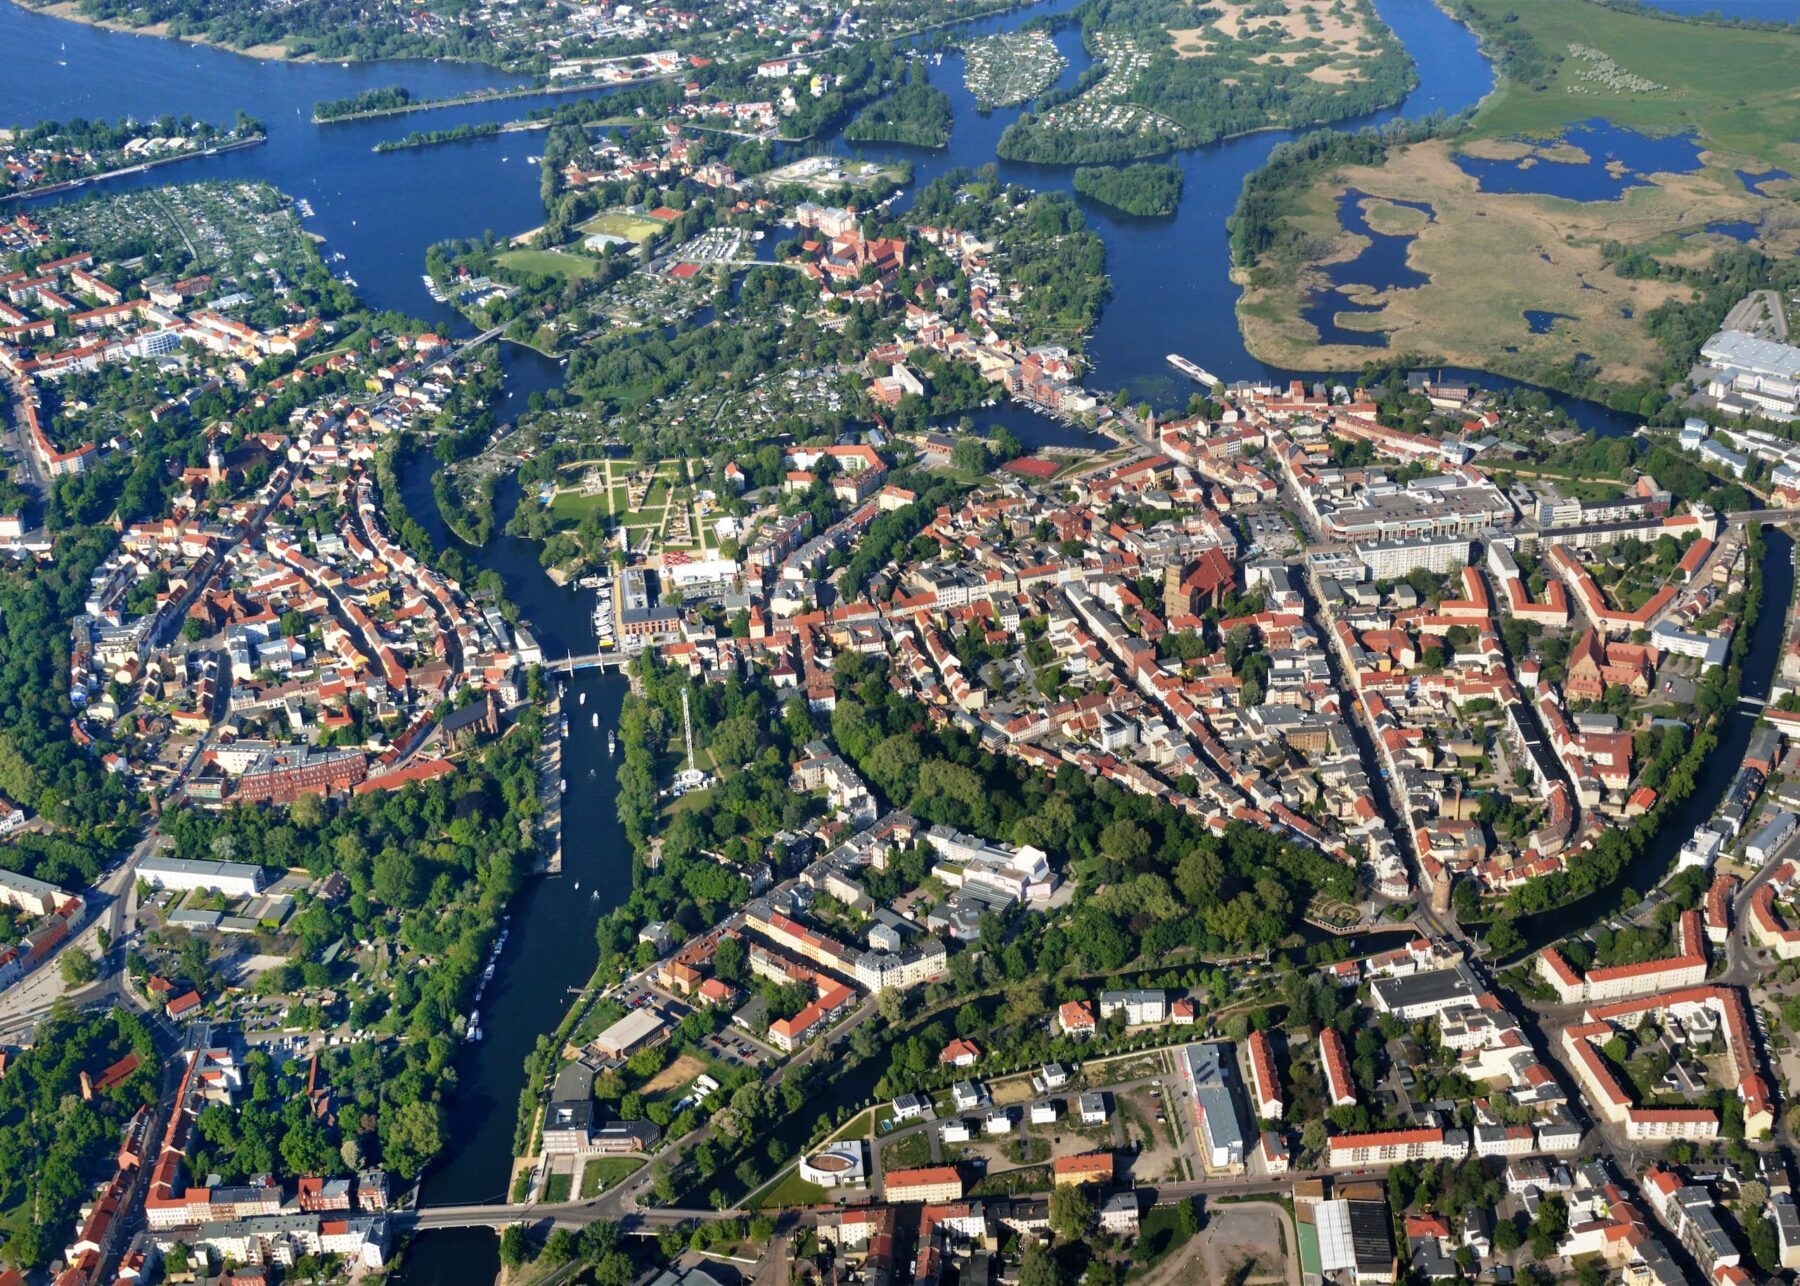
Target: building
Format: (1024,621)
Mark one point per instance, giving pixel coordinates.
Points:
(1264,1082)
(234,879)
(1391,1147)
(1686,968)
(1210,1071)
(1137,1008)
(1424,995)
(1340,1085)
(636,1029)
(1088,1167)
(929,1184)
(836,1165)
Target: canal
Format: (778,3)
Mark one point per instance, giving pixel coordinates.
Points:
(1761,657)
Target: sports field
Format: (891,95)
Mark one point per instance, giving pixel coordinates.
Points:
(549,263)
(620,223)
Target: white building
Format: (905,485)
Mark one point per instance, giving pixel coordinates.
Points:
(234,879)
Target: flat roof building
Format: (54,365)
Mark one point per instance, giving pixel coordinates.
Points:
(236,879)
(1212,1080)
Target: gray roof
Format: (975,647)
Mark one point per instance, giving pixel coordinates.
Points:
(1744,351)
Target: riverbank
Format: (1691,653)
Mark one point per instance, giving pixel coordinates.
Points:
(141,167)
(70,11)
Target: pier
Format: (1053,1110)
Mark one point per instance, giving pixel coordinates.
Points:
(550,863)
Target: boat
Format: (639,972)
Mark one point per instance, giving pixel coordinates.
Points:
(1192,371)
(578,886)
(612,742)
(581,698)
(565,725)
(596,721)
(562,786)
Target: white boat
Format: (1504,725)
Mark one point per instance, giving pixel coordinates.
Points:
(612,743)
(581,698)
(596,720)
(1192,371)
(578,886)
(562,786)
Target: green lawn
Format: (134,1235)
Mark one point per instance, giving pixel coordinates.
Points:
(548,263)
(1735,88)
(789,1190)
(572,506)
(605,1172)
(556,1188)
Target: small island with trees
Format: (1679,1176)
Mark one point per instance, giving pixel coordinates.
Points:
(1146,189)
(914,114)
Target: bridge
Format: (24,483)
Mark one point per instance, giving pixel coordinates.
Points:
(633,1223)
(592,661)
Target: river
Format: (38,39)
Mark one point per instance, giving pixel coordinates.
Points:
(1171,293)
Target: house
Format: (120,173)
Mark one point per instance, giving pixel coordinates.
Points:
(1088,1167)
(1076,1018)
(1092,1106)
(960,1053)
(928,1184)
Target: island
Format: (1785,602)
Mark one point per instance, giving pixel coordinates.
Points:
(1012,67)
(1143,189)
(1168,76)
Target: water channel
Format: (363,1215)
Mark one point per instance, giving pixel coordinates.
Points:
(382,211)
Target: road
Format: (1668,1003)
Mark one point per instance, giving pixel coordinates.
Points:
(112,906)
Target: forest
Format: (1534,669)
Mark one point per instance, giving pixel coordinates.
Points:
(1144,189)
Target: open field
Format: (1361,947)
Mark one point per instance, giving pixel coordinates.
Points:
(1472,312)
(548,262)
(1735,89)
(1490,257)
(673,1077)
(1324,36)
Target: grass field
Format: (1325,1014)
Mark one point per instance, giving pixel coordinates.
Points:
(548,263)
(617,223)
(603,1172)
(572,506)
(556,1188)
(789,1190)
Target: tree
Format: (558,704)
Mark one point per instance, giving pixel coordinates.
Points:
(78,968)
(1038,1266)
(512,1245)
(1071,1212)
(1506,1236)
